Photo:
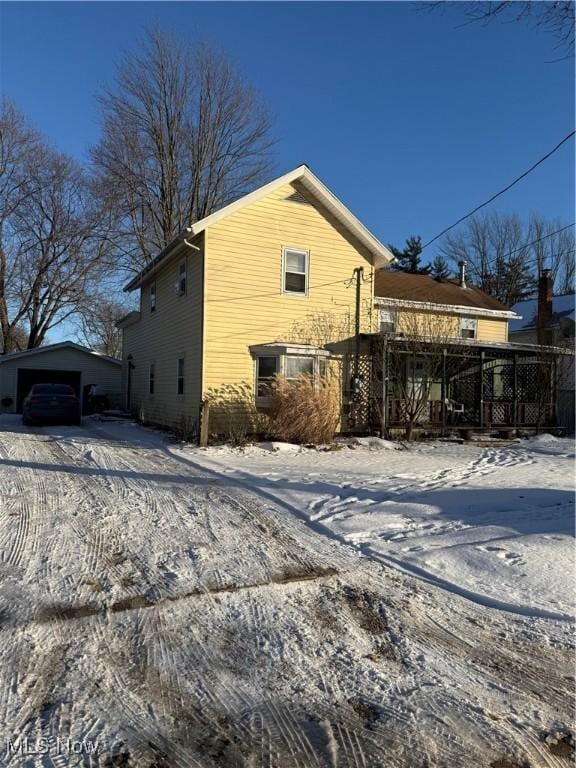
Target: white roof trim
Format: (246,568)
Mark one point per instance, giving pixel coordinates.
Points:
(54,347)
(382,255)
(288,348)
(452,309)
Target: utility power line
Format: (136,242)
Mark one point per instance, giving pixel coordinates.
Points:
(527,245)
(502,191)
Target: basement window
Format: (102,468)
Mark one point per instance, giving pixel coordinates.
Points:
(295,271)
(468,327)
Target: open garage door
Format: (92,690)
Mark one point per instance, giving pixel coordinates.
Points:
(27,377)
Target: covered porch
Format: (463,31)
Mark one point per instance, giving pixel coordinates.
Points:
(461,384)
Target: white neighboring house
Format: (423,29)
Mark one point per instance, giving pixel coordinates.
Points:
(63,363)
(550,319)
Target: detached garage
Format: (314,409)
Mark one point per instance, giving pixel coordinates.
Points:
(64,363)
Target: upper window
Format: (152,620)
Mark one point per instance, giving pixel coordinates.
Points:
(151,378)
(152,297)
(180,376)
(266,369)
(182,278)
(295,271)
(296,365)
(387,321)
(468,327)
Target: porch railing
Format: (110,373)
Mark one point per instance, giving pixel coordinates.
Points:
(495,413)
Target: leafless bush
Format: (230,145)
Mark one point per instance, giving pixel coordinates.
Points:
(304,411)
(186,430)
(233,414)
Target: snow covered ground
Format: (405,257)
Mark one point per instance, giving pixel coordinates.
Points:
(493,524)
(165,607)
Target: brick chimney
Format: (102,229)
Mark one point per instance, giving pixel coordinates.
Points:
(544,316)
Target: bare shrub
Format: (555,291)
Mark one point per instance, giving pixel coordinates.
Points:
(233,414)
(304,411)
(186,430)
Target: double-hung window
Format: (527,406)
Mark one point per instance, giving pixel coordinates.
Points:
(468,327)
(295,271)
(266,369)
(180,376)
(151,378)
(387,321)
(182,278)
(152,297)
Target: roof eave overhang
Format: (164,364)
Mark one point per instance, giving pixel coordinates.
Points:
(381,255)
(453,309)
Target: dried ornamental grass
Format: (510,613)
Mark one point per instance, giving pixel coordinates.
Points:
(305,411)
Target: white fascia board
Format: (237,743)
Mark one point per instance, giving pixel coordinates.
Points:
(285,348)
(452,309)
(55,347)
(382,256)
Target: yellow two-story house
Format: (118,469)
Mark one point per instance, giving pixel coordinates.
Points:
(287,278)
(226,305)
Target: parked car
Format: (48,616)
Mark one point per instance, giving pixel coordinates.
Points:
(51,404)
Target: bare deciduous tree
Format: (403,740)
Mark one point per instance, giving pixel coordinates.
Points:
(556,17)
(20,150)
(415,366)
(554,252)
(183,135)
(504,258)
(97,324)
(51,234)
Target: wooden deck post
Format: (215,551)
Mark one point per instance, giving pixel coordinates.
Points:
(384,425)
(443,390)
(481,389)
(515,391)
(204,423)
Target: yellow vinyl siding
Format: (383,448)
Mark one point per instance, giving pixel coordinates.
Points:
(431,324)
(244,303)
(492,330)
(160,337)
(440,325)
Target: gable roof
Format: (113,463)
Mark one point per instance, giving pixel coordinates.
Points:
(54,347)
(312,184)
(423,289)
(563,307)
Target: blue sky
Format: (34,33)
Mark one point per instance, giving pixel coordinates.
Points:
(409,117)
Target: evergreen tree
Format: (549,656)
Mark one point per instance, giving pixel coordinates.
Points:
(440,269)
(409,259)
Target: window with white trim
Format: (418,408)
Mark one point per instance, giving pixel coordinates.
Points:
(180,376)
(151,378)
(295,271)
(152,297)
(182,278)
(266,368)
(387,321)
(468,327)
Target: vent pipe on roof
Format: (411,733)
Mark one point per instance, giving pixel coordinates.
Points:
(462,273)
